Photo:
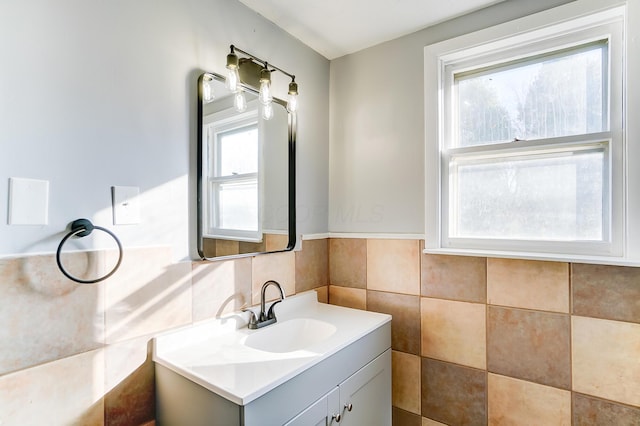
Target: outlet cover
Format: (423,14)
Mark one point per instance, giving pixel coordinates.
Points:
(126,205)
(28,201)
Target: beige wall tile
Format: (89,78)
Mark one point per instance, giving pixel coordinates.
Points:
(348,262)
(400,417)
(429,422)
(280,267)
(347,296)
(46,316)
(84,265)
(129,382)
(312,265)
(222,247)
(606,358)
(393,266)
(608,292)
(589,411)
(275,242)
(528,284)
(454,331)
(406,381)
(520,403)
(249,247)
(64,392)
(453,394)
(148,294)
(405,325)
(323,294)
(220,287)
(461,278)
(529,345)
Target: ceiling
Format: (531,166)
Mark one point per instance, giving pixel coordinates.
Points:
(338,27)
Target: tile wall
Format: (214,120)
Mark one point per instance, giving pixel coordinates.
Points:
(475,340)
(73,354)
(481,341)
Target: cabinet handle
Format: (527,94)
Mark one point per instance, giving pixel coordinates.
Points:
(336,417)
(348,407)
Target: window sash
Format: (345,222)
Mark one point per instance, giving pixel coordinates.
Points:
(217,216)
(531,151)
(507,99)
(218,169)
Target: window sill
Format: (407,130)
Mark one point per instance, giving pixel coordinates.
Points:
(550,257)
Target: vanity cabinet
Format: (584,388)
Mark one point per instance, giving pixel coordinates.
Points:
(220,373)
(362,399)
(358,374)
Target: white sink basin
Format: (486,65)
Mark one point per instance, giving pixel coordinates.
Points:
(291,335)
(241,365)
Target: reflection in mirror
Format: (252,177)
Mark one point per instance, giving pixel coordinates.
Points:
(246,169)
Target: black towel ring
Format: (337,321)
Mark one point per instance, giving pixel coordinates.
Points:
(82,228)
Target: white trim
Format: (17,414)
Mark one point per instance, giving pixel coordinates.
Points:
(388,236)
(362,236)
(275,232)
(308,237)
(600,260)
(11,256)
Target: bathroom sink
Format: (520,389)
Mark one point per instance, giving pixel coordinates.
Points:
(241,365)
(291,335)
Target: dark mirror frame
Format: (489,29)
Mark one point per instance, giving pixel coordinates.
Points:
(291,173)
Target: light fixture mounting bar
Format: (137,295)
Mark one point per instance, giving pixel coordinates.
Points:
(264,63)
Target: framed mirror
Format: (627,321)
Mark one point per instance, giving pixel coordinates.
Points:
(246,172)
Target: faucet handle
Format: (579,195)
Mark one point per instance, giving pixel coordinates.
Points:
(271,314)
(253,320)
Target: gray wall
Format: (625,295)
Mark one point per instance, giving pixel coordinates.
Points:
(95,94)
(377,126)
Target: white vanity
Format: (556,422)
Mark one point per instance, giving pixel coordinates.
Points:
(317,365)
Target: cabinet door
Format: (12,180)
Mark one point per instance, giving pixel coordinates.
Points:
(318,414)
(365,397)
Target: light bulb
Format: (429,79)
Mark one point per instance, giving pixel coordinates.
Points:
(265,93)
(240,102)
(292,103)
(264,96)
(267,111)
(207,91)
(232,79)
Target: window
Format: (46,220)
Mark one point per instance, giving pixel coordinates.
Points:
(233,184)
(527,141)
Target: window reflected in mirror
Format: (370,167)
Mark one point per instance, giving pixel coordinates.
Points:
(245,173)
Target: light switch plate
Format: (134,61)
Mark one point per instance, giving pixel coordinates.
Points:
(28,201)
(126,205)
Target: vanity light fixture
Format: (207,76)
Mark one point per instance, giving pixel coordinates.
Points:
(253,71)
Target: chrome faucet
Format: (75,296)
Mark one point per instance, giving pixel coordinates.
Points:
(269,317)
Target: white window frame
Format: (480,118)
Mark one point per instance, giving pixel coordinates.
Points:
(215,124)
(564,26)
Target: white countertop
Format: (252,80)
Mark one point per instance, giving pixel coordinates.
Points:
(215,353)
